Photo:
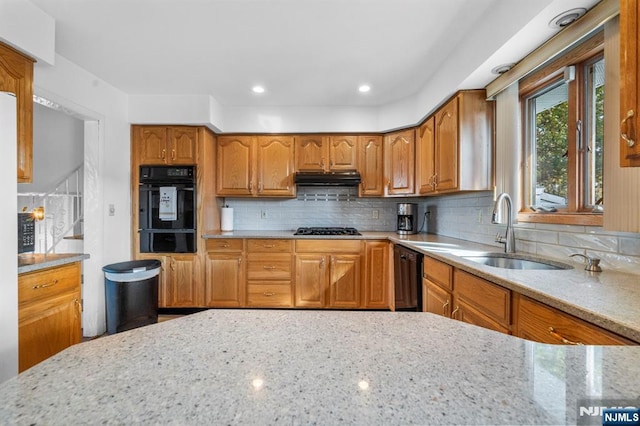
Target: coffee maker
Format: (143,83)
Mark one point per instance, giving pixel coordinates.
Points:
(407,218)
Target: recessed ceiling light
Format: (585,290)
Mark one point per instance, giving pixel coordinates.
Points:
(364,88)
(258,89)
(567,18)
(501,69)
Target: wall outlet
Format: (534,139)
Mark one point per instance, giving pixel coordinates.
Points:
(375,214)
(112,210)
(263,214)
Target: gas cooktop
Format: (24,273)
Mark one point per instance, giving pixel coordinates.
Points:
(326,231)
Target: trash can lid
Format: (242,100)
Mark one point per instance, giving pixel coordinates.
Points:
(132,266)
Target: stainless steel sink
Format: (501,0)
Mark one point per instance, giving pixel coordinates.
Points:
(515,261)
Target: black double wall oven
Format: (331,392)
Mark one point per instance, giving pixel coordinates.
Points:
(167,209)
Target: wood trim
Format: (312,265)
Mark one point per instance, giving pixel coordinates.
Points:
(586,219)
(595,18)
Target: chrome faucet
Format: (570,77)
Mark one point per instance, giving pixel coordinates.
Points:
(509,239)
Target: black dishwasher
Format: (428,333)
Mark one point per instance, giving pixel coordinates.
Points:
(407,268)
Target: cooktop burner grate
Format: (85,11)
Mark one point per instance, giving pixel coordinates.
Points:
(326,231)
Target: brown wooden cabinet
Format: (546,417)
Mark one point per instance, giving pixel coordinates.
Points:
(460,132)
(260,166)
(399,166)
(326,152)
(541,323)
(179,280)
(371,166)
(629,83)
(225,283)
(456,294)
(269,273)
(16,76)
(49,313)
(376,275)
(166,144)
(328,274)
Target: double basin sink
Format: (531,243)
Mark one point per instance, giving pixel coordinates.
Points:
(498,260)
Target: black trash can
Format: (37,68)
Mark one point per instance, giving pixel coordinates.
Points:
(131,294)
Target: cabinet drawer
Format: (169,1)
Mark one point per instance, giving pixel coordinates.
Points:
(542,323)
(269,246)
(269,267)
(486,297)
(438,272)
(219,244)
(269,295)
(328,246)
(33,286)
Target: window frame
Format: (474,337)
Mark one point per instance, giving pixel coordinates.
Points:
(580,56)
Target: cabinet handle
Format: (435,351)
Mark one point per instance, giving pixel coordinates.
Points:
(444,307)
(269,268)
(553,333)
(45,285)
(331,163)
(173,265)
(225,245)
(322,262)
(455,311)
(435,181)
(630,142)
(173,154)
(322,163)
(251,187)
(268,293)
(78,304)
(268,246)
(163,155)
(239,261)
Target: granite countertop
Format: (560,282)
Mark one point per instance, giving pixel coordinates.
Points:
(303,367)
(288,235)
(30,262)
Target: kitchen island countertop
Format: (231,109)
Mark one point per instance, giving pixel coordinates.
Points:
(303,367)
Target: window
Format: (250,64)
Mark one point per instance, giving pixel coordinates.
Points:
(563,108)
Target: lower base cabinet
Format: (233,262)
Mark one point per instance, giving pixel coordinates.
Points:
(224,274)
(49,313)
(179,281)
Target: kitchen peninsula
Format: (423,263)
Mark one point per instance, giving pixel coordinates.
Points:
(301,367)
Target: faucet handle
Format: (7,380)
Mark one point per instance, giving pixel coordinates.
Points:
(499,239)
(592,263)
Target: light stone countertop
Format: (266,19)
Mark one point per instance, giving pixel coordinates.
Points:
(609,299)
(30,262)
(317,367)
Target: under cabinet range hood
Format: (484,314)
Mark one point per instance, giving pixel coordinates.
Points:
(339,178)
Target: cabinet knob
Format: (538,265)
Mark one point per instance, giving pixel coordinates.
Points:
(623,133)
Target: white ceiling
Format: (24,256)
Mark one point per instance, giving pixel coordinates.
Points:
(305,52)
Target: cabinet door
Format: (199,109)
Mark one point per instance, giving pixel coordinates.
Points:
(344,281)
(47,328)
(224,280)
(163,278)
(435,299)
(370,165)
(311,152)
(311,280)
(235,161)
(467,313)
(151,144)
(275,166)
(400,162)
(629,87)
(182,281)
(16,76)
(446,153)
(425,157)
(183,145)
(376,282)
(343,153)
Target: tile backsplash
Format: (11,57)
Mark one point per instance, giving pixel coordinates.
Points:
(463,216)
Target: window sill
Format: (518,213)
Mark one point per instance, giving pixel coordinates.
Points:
(586,219)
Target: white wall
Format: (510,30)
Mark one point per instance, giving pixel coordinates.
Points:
(58,148)
(26,27)
(9,247)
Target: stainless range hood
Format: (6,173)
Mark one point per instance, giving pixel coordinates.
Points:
(340,178)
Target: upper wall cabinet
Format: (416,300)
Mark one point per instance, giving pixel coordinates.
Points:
(371,166)
(166,145)
(629,83)
(326,153)
(399,166)
(249,166)
(454,146)
(16,76)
